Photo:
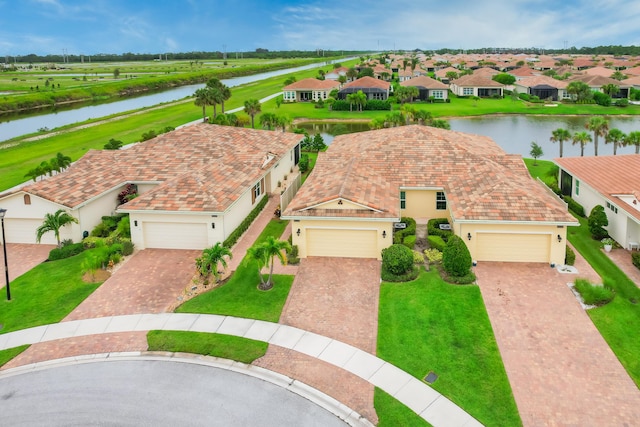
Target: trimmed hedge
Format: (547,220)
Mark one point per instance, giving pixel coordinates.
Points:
(400,234)
(433,228)
(409,241)
(65,251)
(570,256)
(575,207)
(436,242)
(397,259)
(244,225)
(410,275)
(456,258)
(635,259)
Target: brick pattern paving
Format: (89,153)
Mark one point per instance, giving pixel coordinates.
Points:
(337,298)
(22,257)
(622,258)
(561,370)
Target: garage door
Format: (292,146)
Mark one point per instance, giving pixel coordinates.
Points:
(24,231)
(175,235)
(513,247)
(342,243)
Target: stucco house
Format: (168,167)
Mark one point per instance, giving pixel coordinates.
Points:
(195,185)
(597,82)
(365,182)
(543,87)
(609,181)
(370,86)
(476,85)
(428,87)
(309,90)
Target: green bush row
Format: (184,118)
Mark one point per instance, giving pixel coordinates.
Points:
(65,251)
(244,225)
(408,276)
(570,256)
(409,241)
(635,259)
(410,230)
(436,242)
(574,206)
(433,228)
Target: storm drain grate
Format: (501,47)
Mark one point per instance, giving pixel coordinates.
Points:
(431,378)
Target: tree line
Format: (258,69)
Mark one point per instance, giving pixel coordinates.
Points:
(599,126)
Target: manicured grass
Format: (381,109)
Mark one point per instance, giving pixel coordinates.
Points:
(392,413)
(226,346)
(45,294)
(619,320)
(240,295)
(593,294)
(429,325)
(10,353)
(313,157)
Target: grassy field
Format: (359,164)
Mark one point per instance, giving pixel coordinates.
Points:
(429,325)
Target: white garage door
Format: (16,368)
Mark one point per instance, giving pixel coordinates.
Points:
(24,231)
(513,247)
(342,243)
(175,235)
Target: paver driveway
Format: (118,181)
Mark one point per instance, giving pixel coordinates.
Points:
(561,370)
(337,298)
(22,257)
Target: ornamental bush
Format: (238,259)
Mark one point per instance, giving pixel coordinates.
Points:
(635,259)
(570,256)
(456,259)
(597,221)
(397,259)
(436,242)
(574,206)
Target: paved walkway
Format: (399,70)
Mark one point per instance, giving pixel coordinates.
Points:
(22,257)
(561,370)
(622,258)
(425,401)
(337,298)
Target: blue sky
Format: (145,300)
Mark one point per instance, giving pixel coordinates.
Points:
(151,26)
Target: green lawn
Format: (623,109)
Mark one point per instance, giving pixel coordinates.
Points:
(240,295)
(546,170)
(218,345)
(10,353)
(45,294)
(392,413)
(429,325)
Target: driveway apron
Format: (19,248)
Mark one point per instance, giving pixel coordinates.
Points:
(337,298)
(561,370)
(22,257)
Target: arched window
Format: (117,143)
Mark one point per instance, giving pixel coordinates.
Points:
(27,199)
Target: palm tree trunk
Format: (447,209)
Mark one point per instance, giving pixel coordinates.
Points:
(615,148)
(560,148)
(582,150)
(204,113)
(595,144)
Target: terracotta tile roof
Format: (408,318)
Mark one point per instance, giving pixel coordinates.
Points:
(424,82)
(597,81)
(480,181)
(524,72)
(367,81)
(599,71)
(312,84)
(473,80)
(635,71)
(443,72)
(541,80)
(611,176)
(200,167)
(632,81)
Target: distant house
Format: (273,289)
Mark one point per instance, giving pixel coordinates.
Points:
(404,75)
(543,87)
(597,82)
(428,87)
(442,74)
(612,182)
(524,72)
(599,71)
(474,85)
(370,86)
(336,73)
(309,90)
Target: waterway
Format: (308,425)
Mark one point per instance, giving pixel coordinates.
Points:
(13,128)
(513,133)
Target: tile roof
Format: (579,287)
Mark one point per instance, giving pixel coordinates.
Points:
(599,71)
(424,82)
(541,80)
(480,180)
(199,167)
(597,81)
(312,84)
(524,72)
(475,80)
(368,81)
(611,176)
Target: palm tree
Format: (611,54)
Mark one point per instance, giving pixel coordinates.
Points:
(610,89)
(361,100)
(257,254)
(633,138)
(560,136)
(252,107)
(62,162)
(351,99)
(615,136)
(414,62)
(599,126)
(274,248)
(202,100)
(582,138)
(352,73)
(268,120)
(283,122)
(211,257)
(54,222)
(226,94)
(46,168)
(405,62)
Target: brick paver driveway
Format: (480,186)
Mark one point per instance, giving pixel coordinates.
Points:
(22,257)
(561,370)
(148,282)
(337,298)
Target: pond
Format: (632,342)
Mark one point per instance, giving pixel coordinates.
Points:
(513,133)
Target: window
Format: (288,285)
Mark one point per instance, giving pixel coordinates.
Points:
(466,91)
(437,94)
(577,187)
(257,191)
(27,199)
(403,200)
(441,201)
(612,207)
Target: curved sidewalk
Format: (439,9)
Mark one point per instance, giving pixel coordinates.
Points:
(416,395)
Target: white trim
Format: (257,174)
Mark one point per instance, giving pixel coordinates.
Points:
(491,222)
(342,218)
(346,200)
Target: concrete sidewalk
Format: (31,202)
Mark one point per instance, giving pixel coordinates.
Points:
(419,397)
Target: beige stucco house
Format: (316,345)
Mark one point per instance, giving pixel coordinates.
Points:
(365,182)
(612,182)
(309,90)
(195,185)
(476,85)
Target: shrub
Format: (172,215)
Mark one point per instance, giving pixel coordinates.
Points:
(524,96)
(93,242)
(433,255)
(433,228)
(635,259)
(65,251)
(377,105)
(148,135)
(570,256)
(622,102)
(456,258)
(101,230)
(406,277)
(574,206)
(292,256)
(418,258)
(593,294)
(235,235)
(436,242)
(340,105)
(597,221)
(397,259)
(123,229)
(127,247)
(409,230)
(602,99)
(409,241)
(303,164)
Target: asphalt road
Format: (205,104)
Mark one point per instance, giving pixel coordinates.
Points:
(151,393)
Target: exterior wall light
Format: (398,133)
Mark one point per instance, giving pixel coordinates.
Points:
(298,232)
(559,238)
(468,236)
(384,234)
